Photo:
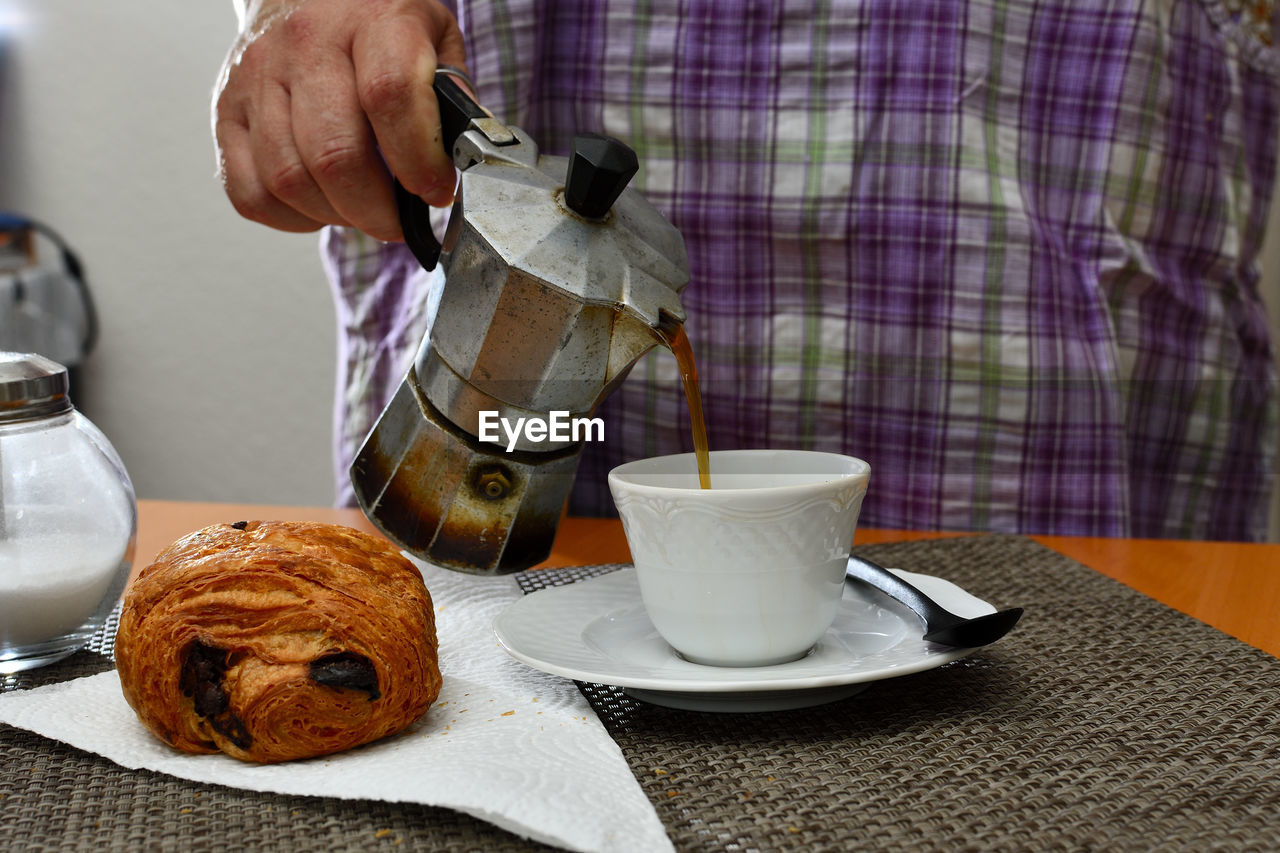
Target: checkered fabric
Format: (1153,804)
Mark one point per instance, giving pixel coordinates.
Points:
(1004,251)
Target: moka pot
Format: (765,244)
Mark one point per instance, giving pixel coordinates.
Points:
(556,277)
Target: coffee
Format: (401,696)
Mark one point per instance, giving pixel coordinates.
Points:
(677,341)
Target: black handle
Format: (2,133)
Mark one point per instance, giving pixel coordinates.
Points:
(456,112)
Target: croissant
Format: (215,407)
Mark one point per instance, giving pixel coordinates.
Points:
(272,641)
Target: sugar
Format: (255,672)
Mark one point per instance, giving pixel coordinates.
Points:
(53,579)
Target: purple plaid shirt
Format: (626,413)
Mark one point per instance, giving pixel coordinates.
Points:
(1004,251)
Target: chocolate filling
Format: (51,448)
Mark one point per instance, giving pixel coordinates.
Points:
(346,670)
(201,678)
(240,525)
(203,671)
(230,727)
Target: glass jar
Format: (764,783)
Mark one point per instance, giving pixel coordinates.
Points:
(68,518)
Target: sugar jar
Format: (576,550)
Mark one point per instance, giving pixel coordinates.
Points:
(68,518)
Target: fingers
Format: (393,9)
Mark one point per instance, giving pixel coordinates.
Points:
(246,191)
(283,165)
(337,156)
(394,69)
(320,102)
(447,38)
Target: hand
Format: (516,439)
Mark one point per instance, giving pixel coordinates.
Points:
(318,99)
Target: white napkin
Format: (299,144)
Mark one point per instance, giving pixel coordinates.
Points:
(504,743)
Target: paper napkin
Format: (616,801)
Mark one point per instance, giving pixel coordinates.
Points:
(504,743)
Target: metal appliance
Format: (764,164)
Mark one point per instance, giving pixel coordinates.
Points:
(557,276)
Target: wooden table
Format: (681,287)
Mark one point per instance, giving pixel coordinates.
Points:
(1234,587)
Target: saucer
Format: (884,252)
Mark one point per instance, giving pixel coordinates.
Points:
(597,631)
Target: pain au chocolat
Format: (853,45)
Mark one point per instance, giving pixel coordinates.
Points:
(273,641)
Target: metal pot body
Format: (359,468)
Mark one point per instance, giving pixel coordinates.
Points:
(544,312)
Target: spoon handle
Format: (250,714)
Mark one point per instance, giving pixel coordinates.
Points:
(930,612)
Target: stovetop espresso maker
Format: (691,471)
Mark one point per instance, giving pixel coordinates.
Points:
(557,276)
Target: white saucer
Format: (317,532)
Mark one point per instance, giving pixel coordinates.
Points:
(597,631)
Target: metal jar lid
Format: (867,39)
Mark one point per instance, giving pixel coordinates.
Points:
(31,386)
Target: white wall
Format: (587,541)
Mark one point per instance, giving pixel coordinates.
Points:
(214,373)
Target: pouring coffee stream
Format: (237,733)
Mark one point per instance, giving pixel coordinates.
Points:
(675,339)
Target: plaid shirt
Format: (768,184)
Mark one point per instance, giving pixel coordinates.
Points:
(1004,251)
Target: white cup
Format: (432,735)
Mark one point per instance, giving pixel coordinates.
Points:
(751,571)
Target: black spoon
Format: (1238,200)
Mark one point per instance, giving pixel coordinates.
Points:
(940,625)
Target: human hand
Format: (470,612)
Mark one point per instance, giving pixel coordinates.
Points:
(318,99)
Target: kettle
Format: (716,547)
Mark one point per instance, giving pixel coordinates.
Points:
(558,277)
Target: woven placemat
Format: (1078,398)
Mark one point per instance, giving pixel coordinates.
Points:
(1105,721)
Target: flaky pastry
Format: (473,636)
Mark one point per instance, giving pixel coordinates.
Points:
(272,641)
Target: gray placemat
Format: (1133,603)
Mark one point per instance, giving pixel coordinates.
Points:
(1105,721)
